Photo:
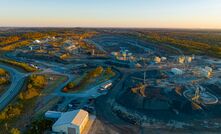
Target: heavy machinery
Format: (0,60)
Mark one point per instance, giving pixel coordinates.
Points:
(140,88)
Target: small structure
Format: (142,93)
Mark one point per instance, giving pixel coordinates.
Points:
(185,59)
(203,72)
(209,69)
(176,71)
(72,122)
(123,55)
(37,42)
(189,59)
(181,59)
(206,72)
(163,58)
(157,59)
(53,114)
(71,46)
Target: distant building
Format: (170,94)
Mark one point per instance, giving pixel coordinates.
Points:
(72,122)
(37,42)
(71,46)
(189,59)
(157,59)
(176,71)
(185,59)
(206,73)
(123,55)
(209,69)
(163,58)
(203,72)
(181,59)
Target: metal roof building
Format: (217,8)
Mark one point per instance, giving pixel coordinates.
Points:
(71,122)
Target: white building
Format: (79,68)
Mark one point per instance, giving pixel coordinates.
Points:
(163,58)
(176,71)
(37,42)
(72,122)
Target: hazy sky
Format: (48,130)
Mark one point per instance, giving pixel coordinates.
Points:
(112,13)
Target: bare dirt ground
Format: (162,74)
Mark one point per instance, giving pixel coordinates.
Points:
(100,127)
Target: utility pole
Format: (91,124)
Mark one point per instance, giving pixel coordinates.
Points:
(144,79)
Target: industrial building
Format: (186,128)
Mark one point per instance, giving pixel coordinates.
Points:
(176,71)
(72,122)
(123,58)
(200,96)
(123,55)
(185,59)
(181,59)
(37,42)
(157,59)
(204,72)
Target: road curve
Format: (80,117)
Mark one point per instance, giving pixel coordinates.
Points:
(17,80)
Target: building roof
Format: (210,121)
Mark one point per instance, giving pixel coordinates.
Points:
(80,117)
(75,117)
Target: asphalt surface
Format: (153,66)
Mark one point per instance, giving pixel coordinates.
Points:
(17,80)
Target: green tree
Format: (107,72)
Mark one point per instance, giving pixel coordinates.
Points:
(71,85)
(109,71)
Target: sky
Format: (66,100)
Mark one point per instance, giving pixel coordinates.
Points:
(111,13)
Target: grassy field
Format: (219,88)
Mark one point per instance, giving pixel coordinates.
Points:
(89,79)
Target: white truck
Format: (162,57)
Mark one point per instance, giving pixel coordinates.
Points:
(106,86)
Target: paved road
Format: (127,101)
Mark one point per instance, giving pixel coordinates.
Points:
(17,80)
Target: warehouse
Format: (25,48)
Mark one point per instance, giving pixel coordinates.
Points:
(72,122)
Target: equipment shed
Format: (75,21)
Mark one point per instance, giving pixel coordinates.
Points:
(71,122)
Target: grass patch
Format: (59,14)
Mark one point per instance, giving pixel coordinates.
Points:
(92,78)
(24,66)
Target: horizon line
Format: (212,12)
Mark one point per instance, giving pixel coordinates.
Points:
(111,27)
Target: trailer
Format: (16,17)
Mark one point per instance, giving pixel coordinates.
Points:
(106,86)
